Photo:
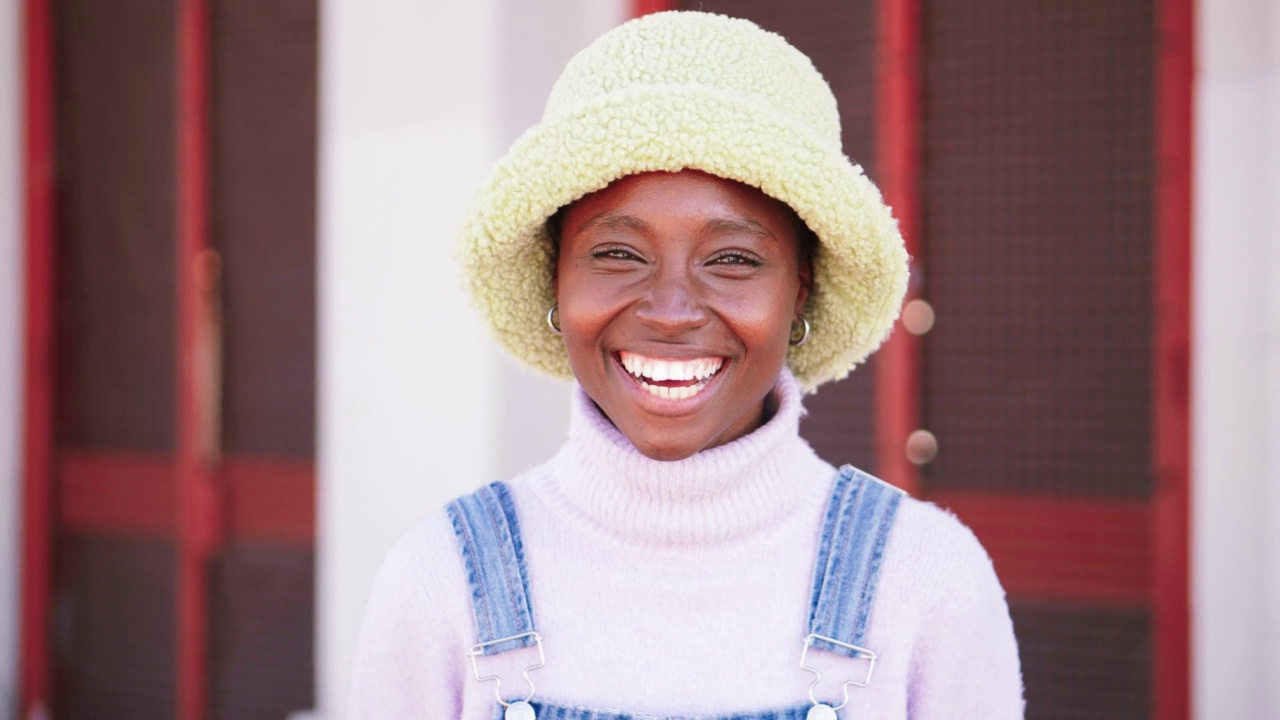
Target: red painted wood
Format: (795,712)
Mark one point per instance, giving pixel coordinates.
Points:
(272,501)
(267,500)
(39,362)
(196,493)
(645,7)
(116,494)
(1172,362)
(898,151)
(1063,549)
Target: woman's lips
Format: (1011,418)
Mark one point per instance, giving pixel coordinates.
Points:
(671,378)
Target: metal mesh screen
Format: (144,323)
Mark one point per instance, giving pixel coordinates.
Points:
(264,217)
(1039,191)
(264,104)
(262,661)
(1084,664)
(115,215)
(114,629)
(840,39)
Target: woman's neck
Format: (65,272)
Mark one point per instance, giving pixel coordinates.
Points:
(715,495)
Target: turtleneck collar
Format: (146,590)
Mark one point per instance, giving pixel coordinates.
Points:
(715,495)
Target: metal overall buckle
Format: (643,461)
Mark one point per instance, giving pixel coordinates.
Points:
(515,709)
(821,710)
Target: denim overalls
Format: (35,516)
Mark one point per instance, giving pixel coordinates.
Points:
(856,526)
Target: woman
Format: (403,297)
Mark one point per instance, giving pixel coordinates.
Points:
(683,236)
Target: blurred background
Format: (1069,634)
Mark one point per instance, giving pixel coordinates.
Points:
(235,364)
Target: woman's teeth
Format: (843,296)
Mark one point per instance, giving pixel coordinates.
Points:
(682,378)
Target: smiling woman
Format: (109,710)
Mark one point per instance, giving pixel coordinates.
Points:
(684,221)
(676,296)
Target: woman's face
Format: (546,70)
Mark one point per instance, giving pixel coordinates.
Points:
(677,292)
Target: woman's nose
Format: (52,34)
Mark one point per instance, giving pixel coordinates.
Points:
(672,303)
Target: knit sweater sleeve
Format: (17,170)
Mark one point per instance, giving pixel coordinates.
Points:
(409,656)
(965,662)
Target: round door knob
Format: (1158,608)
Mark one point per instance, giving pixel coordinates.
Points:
(922,447)
(918,317)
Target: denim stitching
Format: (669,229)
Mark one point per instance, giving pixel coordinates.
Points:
(837,568)
(484,527)
(517,548)
(873,569)
(855,531)
(502,537)
(820,562)
(479,605)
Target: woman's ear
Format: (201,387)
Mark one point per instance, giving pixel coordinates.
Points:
(808,246)
(554,226)
(806,284)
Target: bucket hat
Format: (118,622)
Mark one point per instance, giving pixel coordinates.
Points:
(688,90)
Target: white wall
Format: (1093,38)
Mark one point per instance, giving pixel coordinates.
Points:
(415,405)
(10,350)
(1271,638)
(406,399)
(1236,472)
(537,39)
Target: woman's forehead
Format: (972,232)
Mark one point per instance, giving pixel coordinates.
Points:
(721,201)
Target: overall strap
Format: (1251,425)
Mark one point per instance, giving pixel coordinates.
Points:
(854,533)
(489,538)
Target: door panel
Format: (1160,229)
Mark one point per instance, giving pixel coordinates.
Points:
(1039,170)
(115,221)
(114,628)
(171,599)
(1039,162)
(262,610)
(263,173)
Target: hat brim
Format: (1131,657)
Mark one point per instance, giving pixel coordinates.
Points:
(860,264)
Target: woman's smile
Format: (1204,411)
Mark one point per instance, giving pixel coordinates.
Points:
(670,378)
(676,296)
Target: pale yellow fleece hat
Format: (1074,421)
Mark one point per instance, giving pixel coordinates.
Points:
(679,90)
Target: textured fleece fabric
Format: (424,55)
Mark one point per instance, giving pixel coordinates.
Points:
(680,90)
(682,588)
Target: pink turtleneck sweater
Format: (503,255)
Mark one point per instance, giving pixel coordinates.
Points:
(681,588)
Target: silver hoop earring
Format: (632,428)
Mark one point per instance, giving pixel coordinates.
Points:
(551,319)
(804,334)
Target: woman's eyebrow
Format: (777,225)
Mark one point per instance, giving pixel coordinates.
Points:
(614,221)
(737,225)
(717,226)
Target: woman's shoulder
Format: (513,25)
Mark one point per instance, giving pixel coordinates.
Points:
(419,571)
(935,556)
(428,555)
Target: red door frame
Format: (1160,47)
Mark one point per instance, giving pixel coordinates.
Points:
(1175,78)
(195,454)
(899,151)
(39,359)
(1069,534)
(194,496)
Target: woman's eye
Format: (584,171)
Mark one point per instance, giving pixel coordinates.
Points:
(613,254)
(734,259)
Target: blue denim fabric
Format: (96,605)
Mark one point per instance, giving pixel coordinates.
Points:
(859,516)
(489,538)
(855,529)
(552,712)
